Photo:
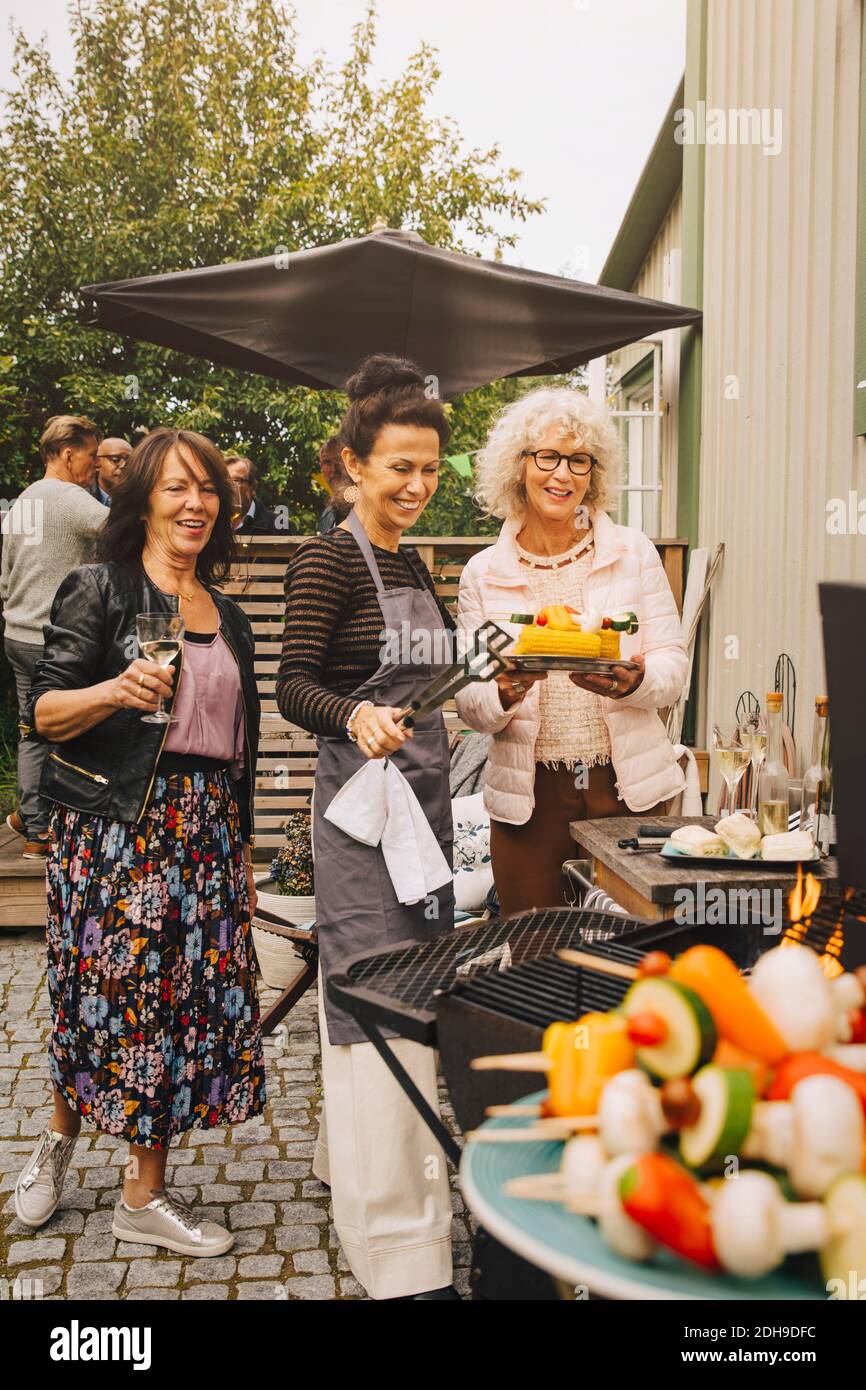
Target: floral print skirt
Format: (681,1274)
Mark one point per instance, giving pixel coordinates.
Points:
(151,971)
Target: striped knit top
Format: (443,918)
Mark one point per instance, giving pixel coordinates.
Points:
(333,626)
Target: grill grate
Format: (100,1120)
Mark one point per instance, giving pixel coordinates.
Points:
(510,966)
(397,989)
(415,973)
(540,992)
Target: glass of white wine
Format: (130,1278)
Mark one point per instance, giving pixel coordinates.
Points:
(753,735)
(159,639)
(237,513)
(732,759)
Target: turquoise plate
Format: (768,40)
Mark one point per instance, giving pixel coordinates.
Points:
(573,1249)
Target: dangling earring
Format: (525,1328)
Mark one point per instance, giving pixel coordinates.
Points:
(351,494)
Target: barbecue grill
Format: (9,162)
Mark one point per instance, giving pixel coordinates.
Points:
(494,988)
(497,986)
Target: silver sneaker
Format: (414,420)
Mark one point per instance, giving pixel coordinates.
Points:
(168,1221)
(40,1184)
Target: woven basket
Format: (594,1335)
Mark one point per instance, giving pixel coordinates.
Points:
(278,960)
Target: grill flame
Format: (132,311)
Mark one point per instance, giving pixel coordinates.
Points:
(804,896)
(802,903)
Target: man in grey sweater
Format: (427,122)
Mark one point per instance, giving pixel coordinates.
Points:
(50,529)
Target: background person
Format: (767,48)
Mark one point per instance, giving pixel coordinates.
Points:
(334,472)
(110,460)
(51,528)
(255,519)
(566,747)
(155,1017)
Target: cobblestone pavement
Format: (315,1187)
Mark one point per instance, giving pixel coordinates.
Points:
(255,1178)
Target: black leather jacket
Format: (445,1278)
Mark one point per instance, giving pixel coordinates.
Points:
(110,769)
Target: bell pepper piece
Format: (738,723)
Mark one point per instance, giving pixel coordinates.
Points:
(666,1201)
(585,1055)
(802,1064)
(734,1058)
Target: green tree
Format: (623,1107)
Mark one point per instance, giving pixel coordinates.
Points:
(189,134)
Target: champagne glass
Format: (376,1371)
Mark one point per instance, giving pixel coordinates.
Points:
(753,735)
(159,639)
(237,513)
(732,759)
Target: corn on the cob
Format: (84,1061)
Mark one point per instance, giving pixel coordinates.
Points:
(550,642)
(610,649)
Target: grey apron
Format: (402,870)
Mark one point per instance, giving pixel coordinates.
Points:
(357,909)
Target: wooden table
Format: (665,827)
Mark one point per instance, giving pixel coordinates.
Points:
(646,885)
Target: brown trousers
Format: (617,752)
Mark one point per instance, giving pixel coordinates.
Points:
(527,859)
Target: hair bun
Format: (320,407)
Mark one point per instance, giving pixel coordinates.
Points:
(381,372)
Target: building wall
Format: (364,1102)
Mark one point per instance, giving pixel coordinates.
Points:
(651,280)
(778,340)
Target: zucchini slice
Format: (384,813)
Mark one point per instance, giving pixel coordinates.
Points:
(727,1096)
(691,1033)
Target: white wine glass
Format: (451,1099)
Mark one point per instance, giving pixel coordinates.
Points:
(753,735)
(159,639)
(732,759)
(237,512)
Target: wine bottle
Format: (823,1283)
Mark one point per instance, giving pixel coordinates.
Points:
(818,780)
(773,777)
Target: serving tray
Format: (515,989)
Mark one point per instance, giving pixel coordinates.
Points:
(534,662)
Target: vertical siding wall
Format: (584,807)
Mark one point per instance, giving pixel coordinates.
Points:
(651,280)
(660,278)
(779,277)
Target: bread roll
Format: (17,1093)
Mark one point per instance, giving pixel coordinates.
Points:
(695,840)
(740,834)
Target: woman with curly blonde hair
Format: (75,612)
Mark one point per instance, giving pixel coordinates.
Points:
(566,747)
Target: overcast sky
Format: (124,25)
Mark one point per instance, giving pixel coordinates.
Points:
(573,91)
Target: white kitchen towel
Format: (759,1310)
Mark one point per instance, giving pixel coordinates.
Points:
(378,806)
(690,798)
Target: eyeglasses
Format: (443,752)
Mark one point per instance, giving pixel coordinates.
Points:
(548,460)
(117,459)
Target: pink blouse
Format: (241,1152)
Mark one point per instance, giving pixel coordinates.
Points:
(209,706)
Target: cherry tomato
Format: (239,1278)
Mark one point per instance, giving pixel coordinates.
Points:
(646,1030)
(655,963)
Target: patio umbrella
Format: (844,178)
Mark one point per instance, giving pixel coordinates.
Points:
(308,317)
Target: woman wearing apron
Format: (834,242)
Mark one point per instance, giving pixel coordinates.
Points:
(364,633)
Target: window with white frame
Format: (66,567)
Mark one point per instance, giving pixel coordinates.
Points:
(637,407)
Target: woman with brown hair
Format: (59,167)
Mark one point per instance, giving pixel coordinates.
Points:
(155,1019)
(346,592)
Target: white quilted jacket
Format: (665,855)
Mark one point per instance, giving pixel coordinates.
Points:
(626,574)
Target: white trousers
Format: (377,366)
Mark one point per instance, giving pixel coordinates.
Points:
(388,1176)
